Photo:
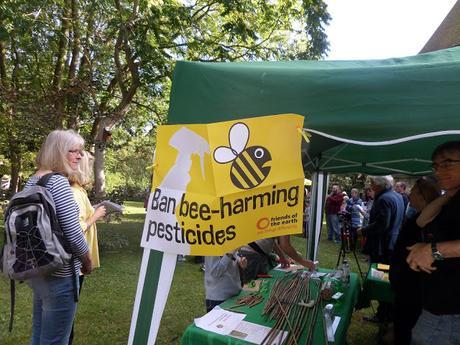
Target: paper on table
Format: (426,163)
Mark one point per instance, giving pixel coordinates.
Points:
(219,321)
(378,274)
(317,274)
(255,334)
(290,268)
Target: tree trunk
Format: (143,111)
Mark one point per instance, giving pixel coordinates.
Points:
(99,175)
(2,64)
(15,170)
(99,157)
(60,65)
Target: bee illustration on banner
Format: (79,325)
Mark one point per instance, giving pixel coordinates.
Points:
(249,165)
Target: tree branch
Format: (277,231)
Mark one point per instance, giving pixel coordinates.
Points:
(76,41)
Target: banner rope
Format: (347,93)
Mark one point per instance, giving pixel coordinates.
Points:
(385,142)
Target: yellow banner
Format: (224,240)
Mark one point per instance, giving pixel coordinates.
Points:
(219,186)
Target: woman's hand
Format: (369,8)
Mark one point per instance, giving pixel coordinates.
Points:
(86,263)
(242,262)
(99,213)
(420,258)
(310,265)
(284,262)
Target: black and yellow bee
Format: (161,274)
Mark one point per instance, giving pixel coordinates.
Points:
(249,168)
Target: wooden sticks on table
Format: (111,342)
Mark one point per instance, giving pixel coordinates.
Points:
(249,300)
(294,303)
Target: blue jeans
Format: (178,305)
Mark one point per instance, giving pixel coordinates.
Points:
(53,311)
(333,227)
(436,329)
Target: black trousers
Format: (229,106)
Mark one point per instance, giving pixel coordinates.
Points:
(406,314)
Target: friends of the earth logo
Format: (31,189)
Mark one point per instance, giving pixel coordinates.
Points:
(250,166)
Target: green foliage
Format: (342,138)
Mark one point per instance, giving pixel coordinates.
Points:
(109,241)
(90,65)
(127,161)
(349,181)
(122,193)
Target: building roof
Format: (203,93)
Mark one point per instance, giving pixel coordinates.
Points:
(447,35)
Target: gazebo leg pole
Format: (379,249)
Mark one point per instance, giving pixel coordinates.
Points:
(320,181)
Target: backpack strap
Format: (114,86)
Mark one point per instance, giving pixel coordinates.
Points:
(45,178)
(256,247)
(259,250)
(76,293)
(12,301)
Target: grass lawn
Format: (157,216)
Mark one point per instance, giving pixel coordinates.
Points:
(104,312)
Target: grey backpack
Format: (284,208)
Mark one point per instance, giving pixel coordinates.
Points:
(34,242)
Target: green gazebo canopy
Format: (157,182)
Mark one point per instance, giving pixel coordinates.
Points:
(373,116)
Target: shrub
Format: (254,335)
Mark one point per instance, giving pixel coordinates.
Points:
(109,240)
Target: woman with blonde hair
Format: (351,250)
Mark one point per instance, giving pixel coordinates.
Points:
(54,296)
(88,216)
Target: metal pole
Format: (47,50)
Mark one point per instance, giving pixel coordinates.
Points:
(320,181)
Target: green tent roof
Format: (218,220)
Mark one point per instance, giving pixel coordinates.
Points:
(353,109)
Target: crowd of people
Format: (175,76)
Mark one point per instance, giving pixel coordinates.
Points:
(416,233)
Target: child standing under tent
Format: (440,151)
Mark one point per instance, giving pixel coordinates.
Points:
(222,277)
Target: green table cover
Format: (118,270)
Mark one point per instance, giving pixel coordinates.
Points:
(376,289)
(343,308)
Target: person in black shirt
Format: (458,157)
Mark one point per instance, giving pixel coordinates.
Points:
(438,257)
(405,282)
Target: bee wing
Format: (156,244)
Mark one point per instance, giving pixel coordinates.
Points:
(224,154)
(239,136)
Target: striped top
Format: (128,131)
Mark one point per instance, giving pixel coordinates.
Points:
(67,214)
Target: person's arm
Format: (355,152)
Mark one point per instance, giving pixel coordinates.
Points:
(81,198)
(98,214)
(420,257)
(449,249)
(381,222)
(286,246)
(361,208)
(86,263)
(67,214)
(242,262)
(285,262)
